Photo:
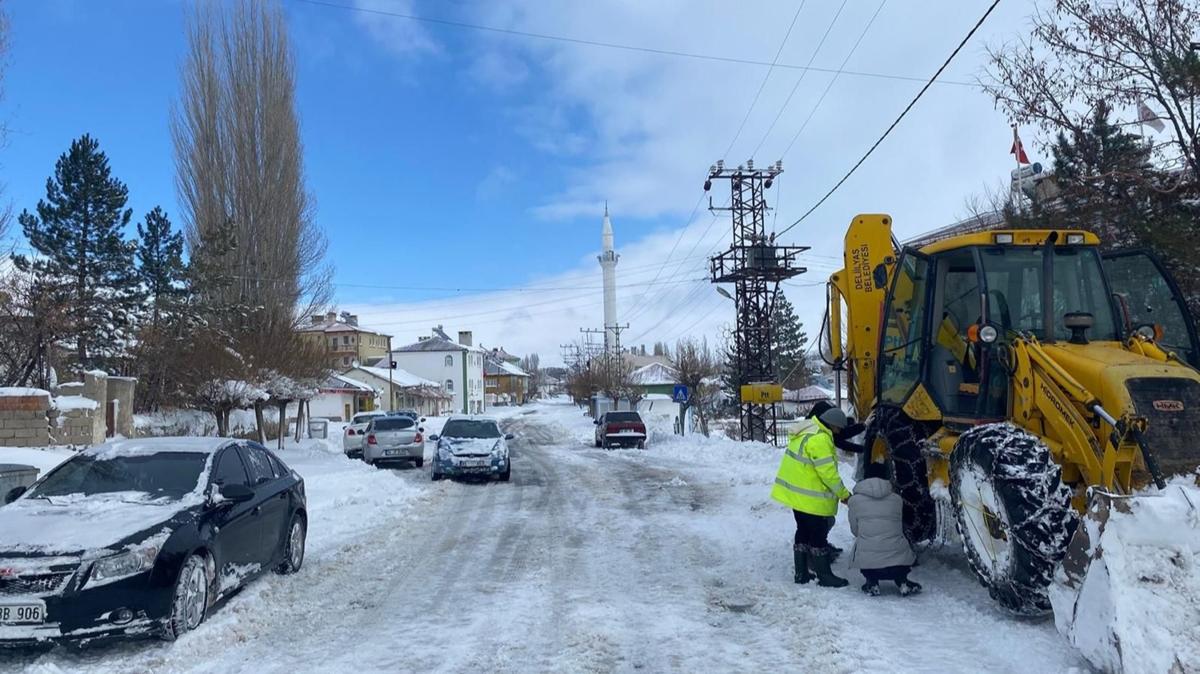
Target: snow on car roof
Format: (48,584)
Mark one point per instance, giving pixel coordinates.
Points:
(143,446)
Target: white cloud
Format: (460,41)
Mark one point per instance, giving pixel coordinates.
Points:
(402,37)
(498,70)
(641,129)
(494,183)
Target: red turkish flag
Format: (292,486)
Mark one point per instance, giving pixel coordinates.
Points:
(1018,149)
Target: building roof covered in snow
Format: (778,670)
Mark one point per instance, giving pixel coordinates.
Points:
(338,382)
(501,368)
(655,374)
(399,378)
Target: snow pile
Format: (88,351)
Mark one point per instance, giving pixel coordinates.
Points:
(22,391)
(196,422)
(1135,609)
(65,403)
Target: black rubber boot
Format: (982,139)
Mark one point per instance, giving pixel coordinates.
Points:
(871,588)
(800,556)
(909,588)
(819,561)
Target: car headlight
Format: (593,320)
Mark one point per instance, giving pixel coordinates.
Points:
(443,450)
(123,565)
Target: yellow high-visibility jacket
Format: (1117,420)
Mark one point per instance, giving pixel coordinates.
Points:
(808,479)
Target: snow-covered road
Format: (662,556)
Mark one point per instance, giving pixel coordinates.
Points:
(672,559)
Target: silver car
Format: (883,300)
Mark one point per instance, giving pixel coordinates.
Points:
(393,440)
(353,440)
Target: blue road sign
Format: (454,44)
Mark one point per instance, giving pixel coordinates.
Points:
(680,395)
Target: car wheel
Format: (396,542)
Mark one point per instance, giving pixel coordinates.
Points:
(189,603)
(434,475)
(293,547)
(420,462)
(506,474)
(642,444)
(599,444)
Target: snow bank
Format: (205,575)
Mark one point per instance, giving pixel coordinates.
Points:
(20,391)
(1136,608)
(65,403)
(197,422)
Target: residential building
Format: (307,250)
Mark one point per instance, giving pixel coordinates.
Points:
(656,378)
(340,398)
(346,342)
(504,383)
(408,391)
(456,365)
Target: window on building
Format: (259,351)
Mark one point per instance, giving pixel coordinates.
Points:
(333,342)
(449,361)
(345,360)
(449,384)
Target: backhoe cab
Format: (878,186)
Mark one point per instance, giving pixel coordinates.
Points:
(1014,372)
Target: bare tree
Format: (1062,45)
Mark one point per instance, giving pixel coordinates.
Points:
(699,369)
(239,163)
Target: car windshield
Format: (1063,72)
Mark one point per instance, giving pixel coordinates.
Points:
(466,428)
(166,474)
(363,418)
(395,424)
(622,416)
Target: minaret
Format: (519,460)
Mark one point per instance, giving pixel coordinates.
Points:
(608,262)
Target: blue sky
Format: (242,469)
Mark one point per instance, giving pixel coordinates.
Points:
(443,157)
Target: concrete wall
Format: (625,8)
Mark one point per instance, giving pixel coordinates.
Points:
(95,386)
(120,390)
(23,420)
(77,425)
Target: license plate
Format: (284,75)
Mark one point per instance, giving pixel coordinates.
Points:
(391,452)
(474,463)
(22,614)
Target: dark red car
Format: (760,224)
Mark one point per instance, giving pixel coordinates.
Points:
(620,429)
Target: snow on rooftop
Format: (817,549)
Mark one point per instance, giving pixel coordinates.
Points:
(399,377)
(655,374)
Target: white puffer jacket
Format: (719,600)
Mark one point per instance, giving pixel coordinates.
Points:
(877,522)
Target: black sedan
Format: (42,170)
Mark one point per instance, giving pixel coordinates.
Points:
(142,537)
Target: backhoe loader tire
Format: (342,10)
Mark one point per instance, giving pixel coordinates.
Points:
(1013,513)
(903,439)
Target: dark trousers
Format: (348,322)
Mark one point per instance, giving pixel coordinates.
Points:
(896,574)
(812,530)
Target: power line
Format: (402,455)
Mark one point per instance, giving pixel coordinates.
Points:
(614,45)
(796,86)
(829,86)
(763,84)
(893,125)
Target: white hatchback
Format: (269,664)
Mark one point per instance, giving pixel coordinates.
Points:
(352,440)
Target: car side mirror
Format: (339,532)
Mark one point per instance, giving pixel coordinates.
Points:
(14,494)
(597,422)
(434,437)
(422,419)
(420,429)
(237,493)
(509,436)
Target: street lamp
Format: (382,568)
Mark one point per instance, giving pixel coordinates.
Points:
(725,293)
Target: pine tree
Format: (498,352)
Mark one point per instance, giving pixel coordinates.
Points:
(788,342)
(77,234)
(160,264)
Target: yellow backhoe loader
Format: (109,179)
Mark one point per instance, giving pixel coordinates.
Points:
(1016,380)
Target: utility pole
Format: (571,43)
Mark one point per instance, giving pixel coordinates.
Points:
(755,265)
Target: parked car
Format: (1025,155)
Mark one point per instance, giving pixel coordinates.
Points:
(393,439)
(471,446)
(142,537)
(411,414)
(352,441)
(620,429)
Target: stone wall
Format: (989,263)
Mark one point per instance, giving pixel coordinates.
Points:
(23,420)
(74,422)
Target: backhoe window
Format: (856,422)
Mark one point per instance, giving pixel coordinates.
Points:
(1014,290)
(903,334)
(1150,300)
(953,360)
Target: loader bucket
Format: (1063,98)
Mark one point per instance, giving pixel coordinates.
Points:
(1127,593)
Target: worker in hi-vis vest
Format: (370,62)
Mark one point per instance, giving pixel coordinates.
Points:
(809,484)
